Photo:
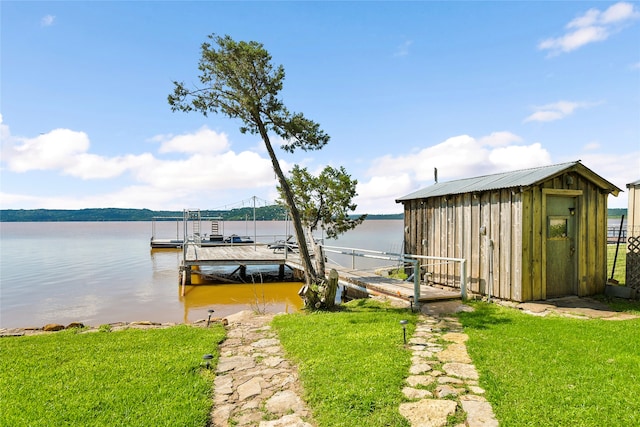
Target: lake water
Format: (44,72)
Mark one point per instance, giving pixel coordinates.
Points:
(102,272)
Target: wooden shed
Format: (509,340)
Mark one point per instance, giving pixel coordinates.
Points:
(526,235)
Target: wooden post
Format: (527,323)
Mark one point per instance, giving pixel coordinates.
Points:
(332,289)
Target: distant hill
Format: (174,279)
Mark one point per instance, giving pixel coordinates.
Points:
(617,212)
(264,213)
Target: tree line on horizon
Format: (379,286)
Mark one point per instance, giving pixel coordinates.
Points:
(263,213)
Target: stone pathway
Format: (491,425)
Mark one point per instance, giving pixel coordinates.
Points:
(254,384)
(443,380)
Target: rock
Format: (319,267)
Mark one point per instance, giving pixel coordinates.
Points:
(52,327)
(416,380)
(75,325)
(224,384)
(250,388)
(237,363)
(455,353)
(449,380)
(284,402)
(239,317)
(266,342)
(427,412)
(415,393)
(291,420)
(479,412)
(443,391)
(461,370)
(221,415)
(455,337)
(476,390)
(419,368)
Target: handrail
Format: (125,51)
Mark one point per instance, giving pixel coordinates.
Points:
(410,258)
(463,269)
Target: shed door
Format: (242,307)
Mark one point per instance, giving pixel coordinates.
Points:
(561,246)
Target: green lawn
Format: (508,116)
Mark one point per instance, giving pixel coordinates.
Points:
(352,363)
(620,262)
(556,371)
(126,378)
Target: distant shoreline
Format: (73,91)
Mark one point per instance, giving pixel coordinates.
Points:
(265,213)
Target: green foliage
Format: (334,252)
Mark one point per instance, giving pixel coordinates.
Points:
(266,213)
(325,199)
(617,212)
(554,370)
(133,378)
(352,363)
(239,81)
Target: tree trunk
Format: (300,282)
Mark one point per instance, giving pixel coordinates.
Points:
(331,289)
(309,272)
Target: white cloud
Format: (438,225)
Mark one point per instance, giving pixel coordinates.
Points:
(403,49)
(458,157)
(619,169)
(202,141)
(197,169)
(498,139)
(47,20)
(555,111)
(593,26)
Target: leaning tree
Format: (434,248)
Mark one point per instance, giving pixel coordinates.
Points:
(237,79)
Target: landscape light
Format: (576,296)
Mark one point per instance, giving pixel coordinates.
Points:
(404,330)
(411,302)
(207,360)
(211,310)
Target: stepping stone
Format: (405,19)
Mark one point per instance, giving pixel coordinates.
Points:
(250,388)
(479,411)
(237,363)
(416,380)
(415,393)
(428,412)
(284,402)
(454,353)
(461,370)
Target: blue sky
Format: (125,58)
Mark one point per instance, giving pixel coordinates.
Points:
(471,88)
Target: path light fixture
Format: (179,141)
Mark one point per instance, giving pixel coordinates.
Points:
(207,360)
(211,310)
(411,302)
(404,330)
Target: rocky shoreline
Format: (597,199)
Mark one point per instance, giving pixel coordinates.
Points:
(111,327)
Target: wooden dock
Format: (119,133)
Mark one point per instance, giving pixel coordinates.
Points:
(376,284)
(242,255)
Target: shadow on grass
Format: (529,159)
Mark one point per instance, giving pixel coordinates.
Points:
(484,316)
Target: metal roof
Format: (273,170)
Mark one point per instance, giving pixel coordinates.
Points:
(519,178)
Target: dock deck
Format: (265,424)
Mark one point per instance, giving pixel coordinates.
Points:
(262,254)
(375,283)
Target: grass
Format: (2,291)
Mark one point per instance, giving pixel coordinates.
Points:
(352,363)
(621,262)
(133,377)
(556,371)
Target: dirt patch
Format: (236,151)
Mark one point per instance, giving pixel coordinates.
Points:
(572,306)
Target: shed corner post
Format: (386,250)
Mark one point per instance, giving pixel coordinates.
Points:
(463,279)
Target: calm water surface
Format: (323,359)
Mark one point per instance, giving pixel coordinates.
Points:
(102,272)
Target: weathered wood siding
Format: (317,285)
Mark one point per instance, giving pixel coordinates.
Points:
(515,221)
(450,227)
